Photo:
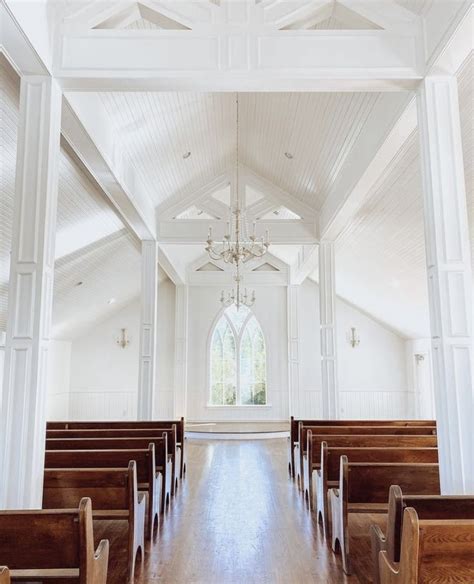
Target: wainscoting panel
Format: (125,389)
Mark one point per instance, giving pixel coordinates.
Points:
(373,405)
(57,406)
(95,405)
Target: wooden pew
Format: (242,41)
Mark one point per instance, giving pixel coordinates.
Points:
(365,429)
(427,507)
(50,545)
(328,475)
(129,425)
(311,460)
(149,480)
(4,575)
(364,487)
(173,450)
(114,494)
(294,429)
(162,460)
(432,550)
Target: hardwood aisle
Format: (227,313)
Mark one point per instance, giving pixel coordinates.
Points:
(238,519)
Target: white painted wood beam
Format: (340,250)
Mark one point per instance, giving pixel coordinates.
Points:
(215,59)
(308,259)
(194,231)
(23,416)
(392,122)
(86,128)
(148,327)
(170,269)
(450,287)
(327,310)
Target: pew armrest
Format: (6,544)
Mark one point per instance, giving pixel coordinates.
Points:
(378,544)
(101,561)
(388,571)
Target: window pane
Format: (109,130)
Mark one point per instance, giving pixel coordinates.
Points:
(237,317)
(223,365)
(253,365)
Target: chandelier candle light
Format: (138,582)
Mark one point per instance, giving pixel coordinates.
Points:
(242,247)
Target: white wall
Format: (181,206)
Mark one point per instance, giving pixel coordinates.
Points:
(372,377)
(104,377)
(59,368)
(270,310)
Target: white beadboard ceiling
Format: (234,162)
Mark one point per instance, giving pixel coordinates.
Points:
(318,129)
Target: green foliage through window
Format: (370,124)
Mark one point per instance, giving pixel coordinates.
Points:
(238,360)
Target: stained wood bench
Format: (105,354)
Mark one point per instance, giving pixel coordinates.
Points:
(432,550)
(52,545)
(130,425)
(364,488)
(114,494)
(427,507)
(4,575)
(173,450)
(149,480)
(293,440)
(311,459)
(328,475)
(163,461)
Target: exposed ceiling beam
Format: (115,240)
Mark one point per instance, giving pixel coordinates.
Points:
(308,260)
(377,143)
(85,127)
(171,271)
(200,59)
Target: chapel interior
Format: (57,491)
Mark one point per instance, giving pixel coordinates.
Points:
(236,292)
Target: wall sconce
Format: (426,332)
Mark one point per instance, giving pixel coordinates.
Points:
(419,358)
(123,341)
(353,338)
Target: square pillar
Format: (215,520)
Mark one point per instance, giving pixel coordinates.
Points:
(327,309)
(30,299)
(181,351)
(149,300)
(449,279)
(293,352)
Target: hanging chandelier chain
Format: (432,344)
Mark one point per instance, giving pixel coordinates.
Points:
(238,246)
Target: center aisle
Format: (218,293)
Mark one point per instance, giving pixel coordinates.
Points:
(238,519)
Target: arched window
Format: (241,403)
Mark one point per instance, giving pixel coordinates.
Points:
(238,360)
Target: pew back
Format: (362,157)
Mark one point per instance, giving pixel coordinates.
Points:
(369,430)
(370,482)
(330,457)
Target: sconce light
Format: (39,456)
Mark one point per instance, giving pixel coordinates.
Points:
(419,358)
(123,341)
(353,338)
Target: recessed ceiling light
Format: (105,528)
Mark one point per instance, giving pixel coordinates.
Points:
(111,301)
(79,283)
(186,155)
(289,155)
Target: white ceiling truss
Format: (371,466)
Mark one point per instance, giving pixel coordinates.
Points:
(301,228)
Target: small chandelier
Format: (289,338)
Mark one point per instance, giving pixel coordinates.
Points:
(237,297)
(242,246)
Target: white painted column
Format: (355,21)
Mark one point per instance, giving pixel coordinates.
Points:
(327,310)
(23,417)
(449,279)
(293,353)
(149,301)
(181,351)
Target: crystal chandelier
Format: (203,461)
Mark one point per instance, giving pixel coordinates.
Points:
(237,297)
(242,247)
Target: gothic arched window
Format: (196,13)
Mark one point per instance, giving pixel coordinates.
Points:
(238,360)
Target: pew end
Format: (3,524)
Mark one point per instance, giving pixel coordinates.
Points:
(4,575)
(432,550)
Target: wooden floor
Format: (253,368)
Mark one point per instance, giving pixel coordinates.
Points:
(238,519)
